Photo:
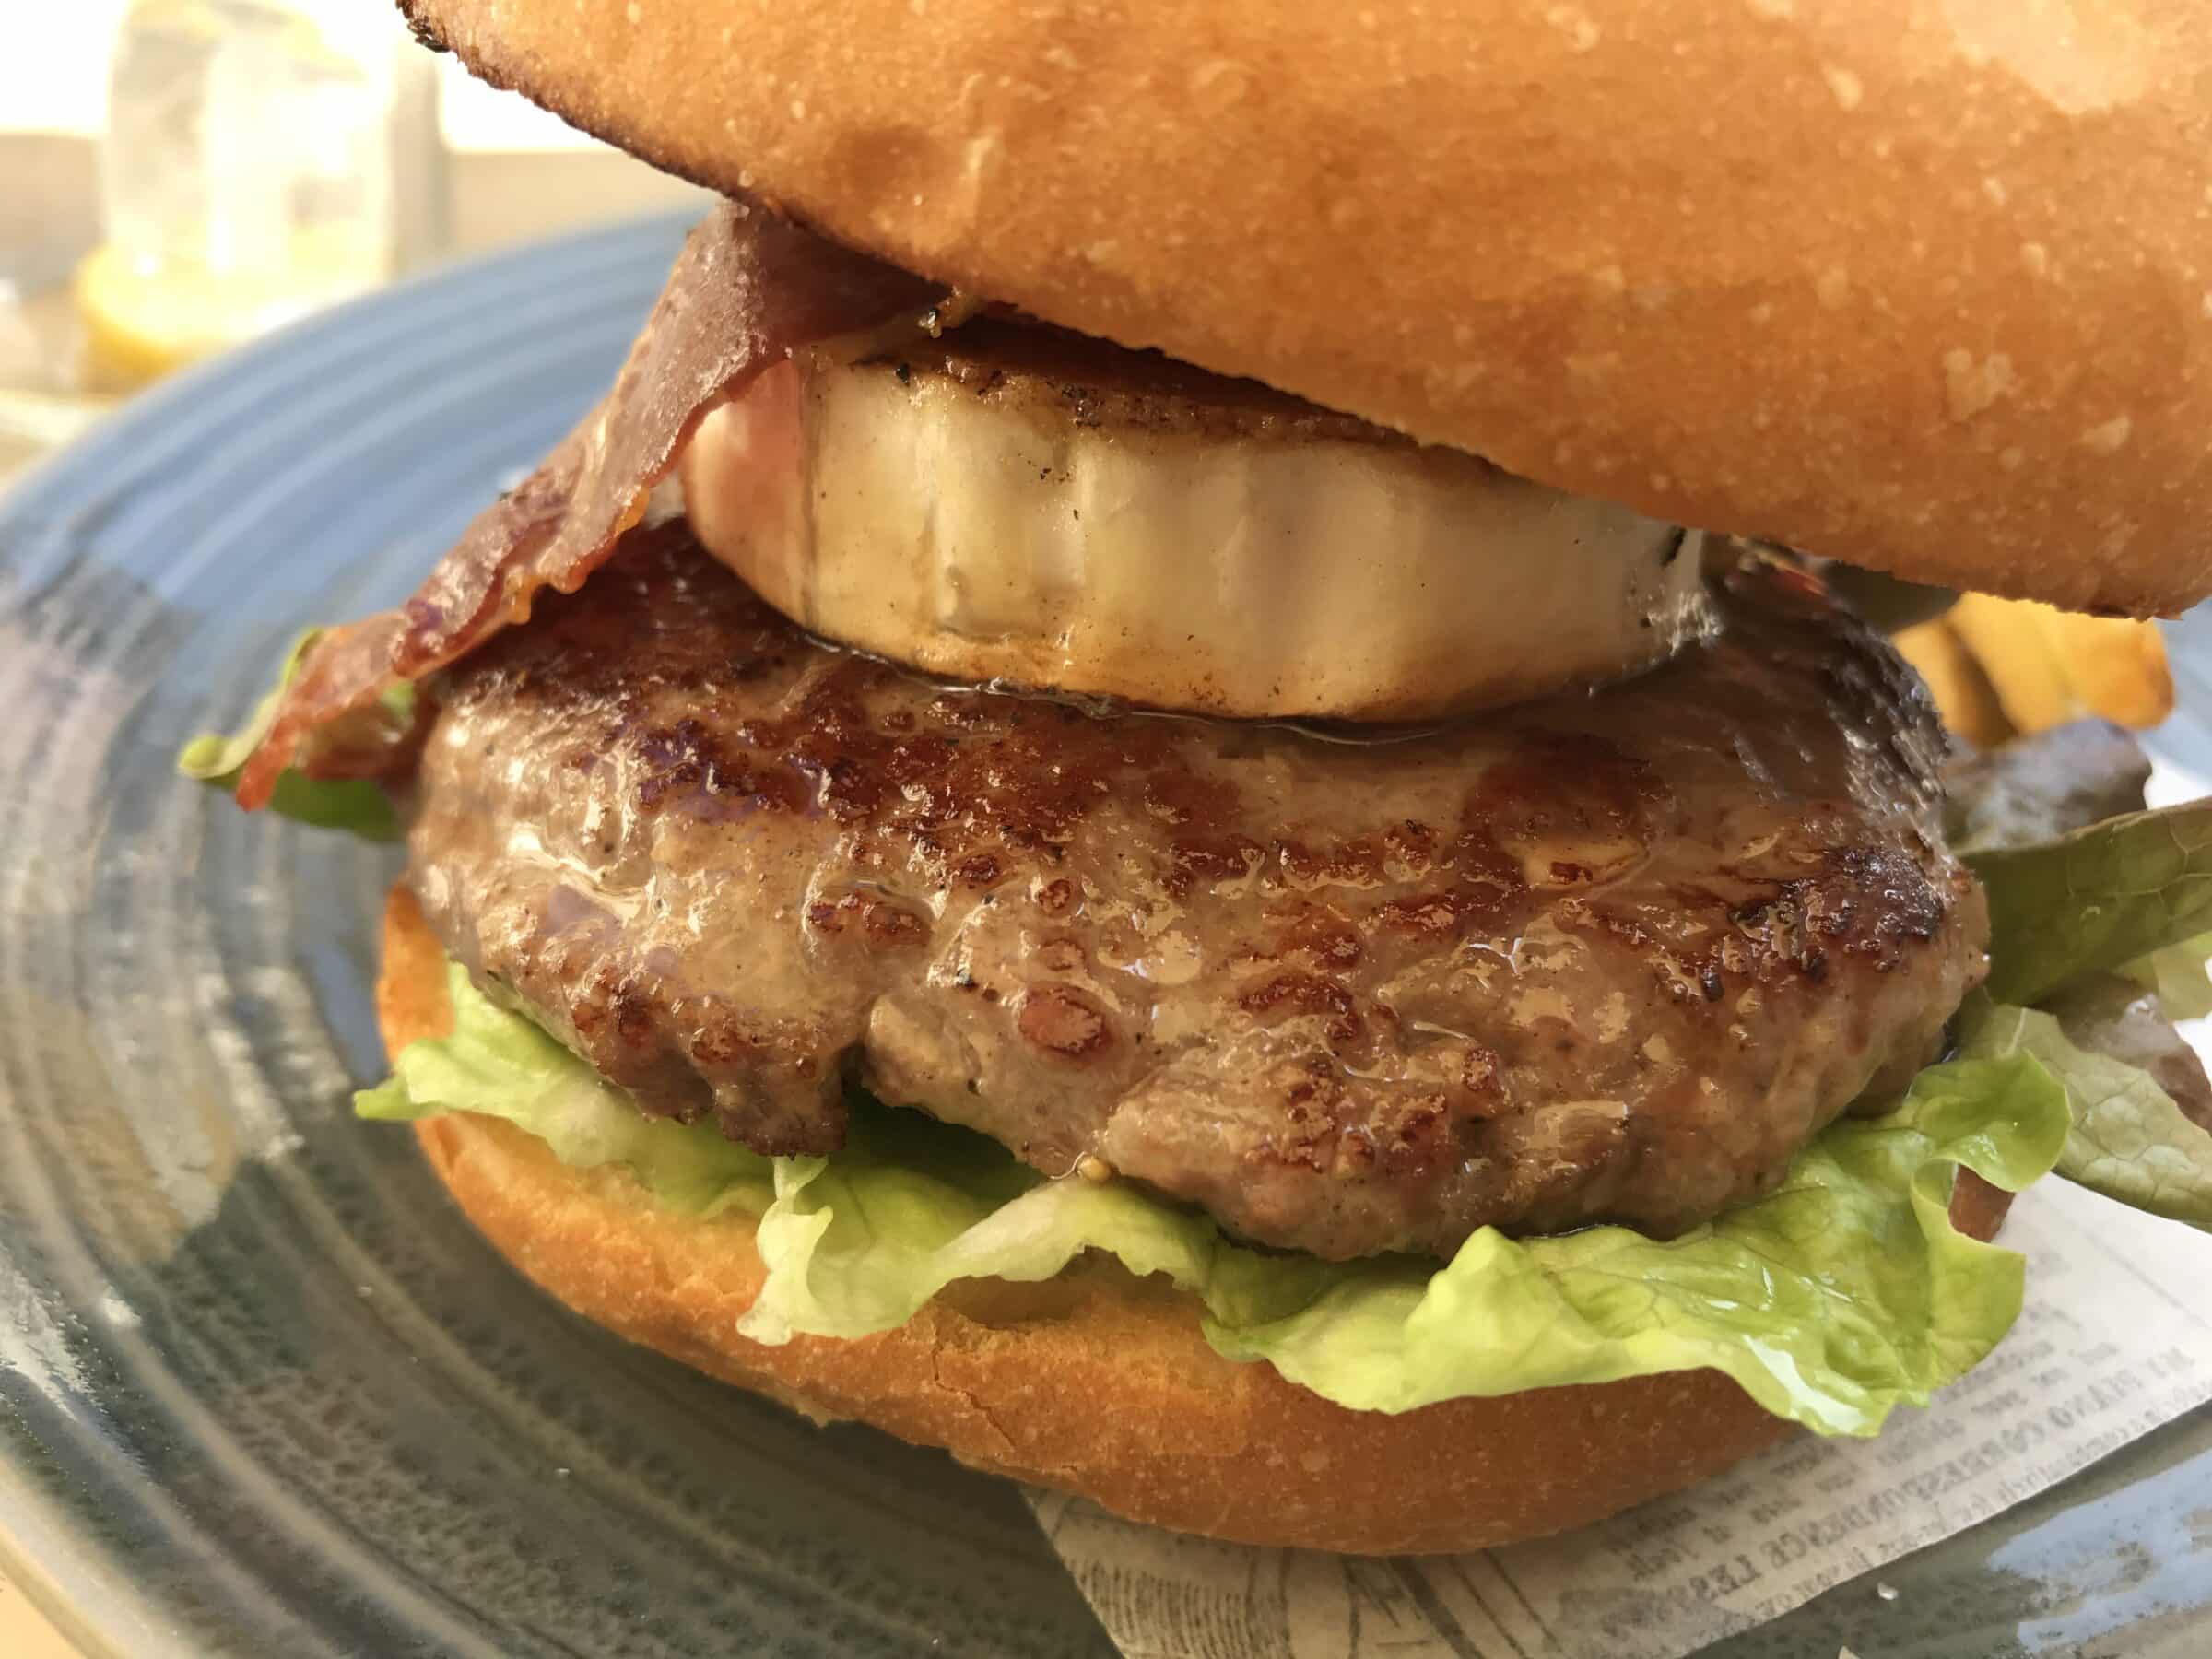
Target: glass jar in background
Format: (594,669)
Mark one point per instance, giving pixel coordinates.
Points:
(247,174)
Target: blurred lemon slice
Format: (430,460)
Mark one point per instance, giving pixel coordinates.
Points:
(143,320)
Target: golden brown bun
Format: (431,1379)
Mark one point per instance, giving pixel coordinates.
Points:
(1096,1383)
(1927,287)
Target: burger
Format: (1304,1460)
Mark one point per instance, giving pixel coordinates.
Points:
(1176,792)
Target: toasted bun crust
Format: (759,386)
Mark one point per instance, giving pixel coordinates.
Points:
(1096,1383)
(1927,287)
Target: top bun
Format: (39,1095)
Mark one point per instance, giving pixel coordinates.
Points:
(1925,285)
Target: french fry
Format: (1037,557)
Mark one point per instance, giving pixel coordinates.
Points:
(1964,697)
(2047,666)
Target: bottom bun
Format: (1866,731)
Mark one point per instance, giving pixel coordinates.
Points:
(1096,1383)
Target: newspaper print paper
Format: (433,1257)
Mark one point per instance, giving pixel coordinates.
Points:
(2116,1339)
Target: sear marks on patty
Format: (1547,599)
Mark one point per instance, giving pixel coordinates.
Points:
(1615,956)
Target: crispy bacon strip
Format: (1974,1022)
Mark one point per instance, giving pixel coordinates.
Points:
(747,289)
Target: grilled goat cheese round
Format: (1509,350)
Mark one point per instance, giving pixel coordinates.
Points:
(1026,506)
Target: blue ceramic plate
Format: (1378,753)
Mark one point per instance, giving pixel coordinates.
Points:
(262,1390)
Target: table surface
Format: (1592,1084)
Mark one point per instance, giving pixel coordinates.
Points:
(25,1632)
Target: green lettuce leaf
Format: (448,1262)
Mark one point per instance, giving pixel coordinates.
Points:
(1834,1299)
(1784,1295)
(2095,899)
(2177,972)
(500,1064)
(350,804)
(2130,1140)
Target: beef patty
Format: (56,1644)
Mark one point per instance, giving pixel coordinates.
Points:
(1612,956)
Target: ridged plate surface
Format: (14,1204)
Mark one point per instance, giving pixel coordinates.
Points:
(262,1390)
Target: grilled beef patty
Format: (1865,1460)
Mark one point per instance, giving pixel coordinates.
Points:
(1612,956)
